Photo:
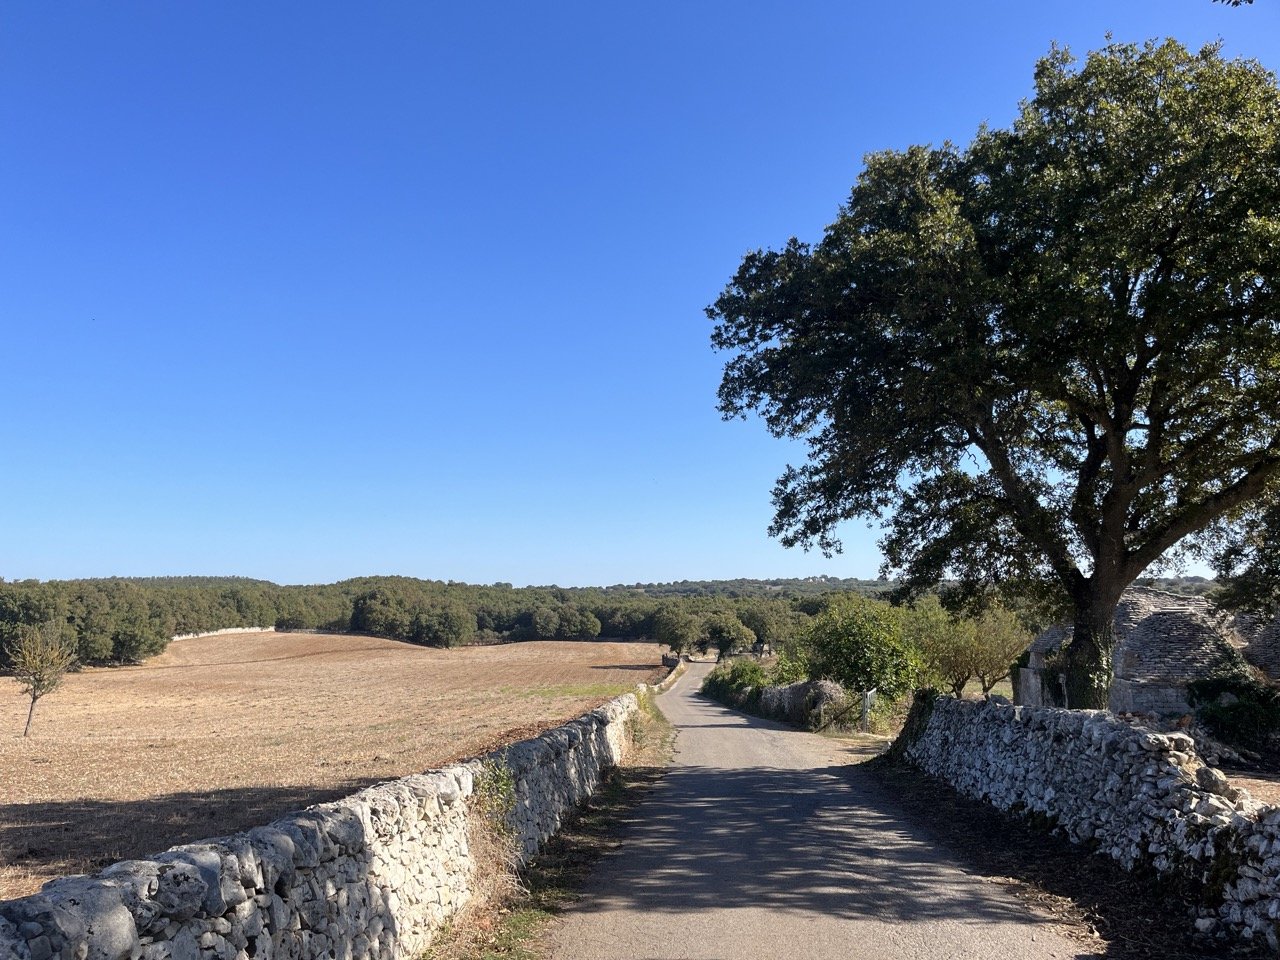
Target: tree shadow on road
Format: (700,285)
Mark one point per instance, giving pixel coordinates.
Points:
(1128,915)
(785,840)
(875,841)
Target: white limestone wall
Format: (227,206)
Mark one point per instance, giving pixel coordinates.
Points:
(374,875)
(1138,796)
(224,630)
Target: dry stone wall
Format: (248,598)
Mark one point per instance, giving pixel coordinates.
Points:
(372,876)
(805,704)
(222,632)
(1138,796)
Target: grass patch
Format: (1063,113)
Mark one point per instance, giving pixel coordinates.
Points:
(512,927)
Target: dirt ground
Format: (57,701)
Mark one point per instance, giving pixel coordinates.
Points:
(222,733)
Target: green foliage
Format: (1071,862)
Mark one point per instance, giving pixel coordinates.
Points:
(746,672)
(858,643)
(494,795)
(948,644)
(725,632)
(957,648)
(447,623)
(787,588)
(675,627)
(1048,358)
(788,668)
(1237,707)
(999,639)
(737,682)
(125,620)
(772,622)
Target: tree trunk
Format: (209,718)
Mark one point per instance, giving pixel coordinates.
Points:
(1087,659)
(30,713)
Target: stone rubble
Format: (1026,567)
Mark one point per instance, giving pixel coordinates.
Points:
(1141,797)
(806,704)
(374,875)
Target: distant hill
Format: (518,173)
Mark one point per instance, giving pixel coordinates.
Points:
(1186,586)
(746,587)
(126,619)
(162,583)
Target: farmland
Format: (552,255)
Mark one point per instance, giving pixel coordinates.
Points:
(218,734)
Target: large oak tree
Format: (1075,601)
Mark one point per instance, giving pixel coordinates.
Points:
(1049,358)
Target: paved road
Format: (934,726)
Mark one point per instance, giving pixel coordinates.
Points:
(760,843)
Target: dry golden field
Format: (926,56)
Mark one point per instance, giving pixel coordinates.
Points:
(219,734)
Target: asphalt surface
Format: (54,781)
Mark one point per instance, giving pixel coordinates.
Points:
(762,842)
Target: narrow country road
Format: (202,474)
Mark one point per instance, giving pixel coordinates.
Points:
(759,843)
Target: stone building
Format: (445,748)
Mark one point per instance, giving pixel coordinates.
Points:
(1163,642)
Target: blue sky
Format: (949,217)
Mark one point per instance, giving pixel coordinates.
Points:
(305,291)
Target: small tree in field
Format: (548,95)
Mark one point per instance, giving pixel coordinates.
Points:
(40,657)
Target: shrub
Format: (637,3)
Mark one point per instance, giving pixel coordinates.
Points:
(857,642)
(737,682)
(39,658)
(1237,707)
(948,644)
(788,669)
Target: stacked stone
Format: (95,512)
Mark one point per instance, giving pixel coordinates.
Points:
(1138,796)
(372,876)
(557,771)
(801,703)
(664,685)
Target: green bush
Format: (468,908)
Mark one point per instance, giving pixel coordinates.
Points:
(788,669)
(1237,707)
(736,682)
(858,643)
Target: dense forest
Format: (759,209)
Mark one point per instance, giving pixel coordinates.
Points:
(123,620)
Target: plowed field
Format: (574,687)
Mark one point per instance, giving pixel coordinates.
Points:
(222,733)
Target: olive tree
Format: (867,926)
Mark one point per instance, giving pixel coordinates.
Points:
(947,643)
(1050,358)
(39,657)
(999,639)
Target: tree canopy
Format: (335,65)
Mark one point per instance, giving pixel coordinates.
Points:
(1049,358)
(858,643)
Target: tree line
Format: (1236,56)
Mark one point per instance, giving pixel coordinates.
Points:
(125,620)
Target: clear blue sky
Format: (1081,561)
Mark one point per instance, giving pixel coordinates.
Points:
(311,290)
